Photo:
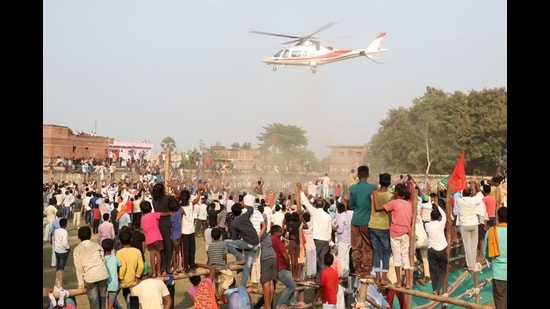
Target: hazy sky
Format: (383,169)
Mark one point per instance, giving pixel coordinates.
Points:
(192,70)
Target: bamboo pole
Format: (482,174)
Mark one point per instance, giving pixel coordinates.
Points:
(297,190)
(448,236)
(439,298)
(197,272)
(451,289)
(476,285)
(412,242)
(167,165)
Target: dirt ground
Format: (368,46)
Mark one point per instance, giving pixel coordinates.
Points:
(182,300)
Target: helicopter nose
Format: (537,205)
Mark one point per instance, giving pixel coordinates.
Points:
(268,60)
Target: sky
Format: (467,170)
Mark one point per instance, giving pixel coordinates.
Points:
(191,70)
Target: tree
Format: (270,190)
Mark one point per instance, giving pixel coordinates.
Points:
(285,147)
(279,137)
(168,142)
(246,145)
(429,135)
(235,146)
(169,145)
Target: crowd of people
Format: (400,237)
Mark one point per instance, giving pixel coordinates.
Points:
(324,234)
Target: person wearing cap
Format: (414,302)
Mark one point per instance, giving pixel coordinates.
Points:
(152,293)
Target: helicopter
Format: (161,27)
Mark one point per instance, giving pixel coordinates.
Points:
(308,51)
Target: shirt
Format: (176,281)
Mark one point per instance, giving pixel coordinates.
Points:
(132,265)
(150,225)
(175,219)
(241,227)
(150,293)
(280,251)
(124,220)
(89,263)
(435,229)
(499,264)
(216,253)
(401,216)
(380,219)
(343,227)
(105,230)
(320,220)
(360,203)
(267,251)
(60,240)
(112,263)
(329,281)
(188,220)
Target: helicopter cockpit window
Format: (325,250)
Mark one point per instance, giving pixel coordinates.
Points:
(285,55)
(296,53)
(278,54)
(304,54)
(329,48)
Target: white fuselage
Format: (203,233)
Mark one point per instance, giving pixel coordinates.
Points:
(311,55)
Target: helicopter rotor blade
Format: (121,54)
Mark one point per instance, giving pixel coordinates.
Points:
(320,29)
(297,39)
(276,34)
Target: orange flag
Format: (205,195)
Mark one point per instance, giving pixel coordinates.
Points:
(457,181)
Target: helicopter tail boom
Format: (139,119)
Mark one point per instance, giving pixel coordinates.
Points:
(374,50)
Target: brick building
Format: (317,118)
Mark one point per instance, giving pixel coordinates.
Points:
(64,142)
(342,158)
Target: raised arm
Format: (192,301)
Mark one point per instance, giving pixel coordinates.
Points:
(212,270)
(374,201)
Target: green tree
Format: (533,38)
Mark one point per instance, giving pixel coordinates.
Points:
(168,143)
(285,147)
(428,136)
(246,145)
(235,146)
(279,137)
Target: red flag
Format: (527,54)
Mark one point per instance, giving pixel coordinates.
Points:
(457,181)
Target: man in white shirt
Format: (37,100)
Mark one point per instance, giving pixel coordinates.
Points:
(152,293)
(322,223)
(68,200)
(60,244)
(277,217)
(437,248)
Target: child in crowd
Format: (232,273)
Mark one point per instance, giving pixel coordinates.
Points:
(113,264)
(202,292)
(153,237)
(138,238)
(400,208)
(132,263)
(328,284)
(217,257)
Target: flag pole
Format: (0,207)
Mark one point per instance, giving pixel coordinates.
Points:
(456,182)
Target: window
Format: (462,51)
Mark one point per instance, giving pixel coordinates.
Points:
(296,53)
(285,55)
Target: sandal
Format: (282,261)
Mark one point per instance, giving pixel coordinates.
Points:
(384,282)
